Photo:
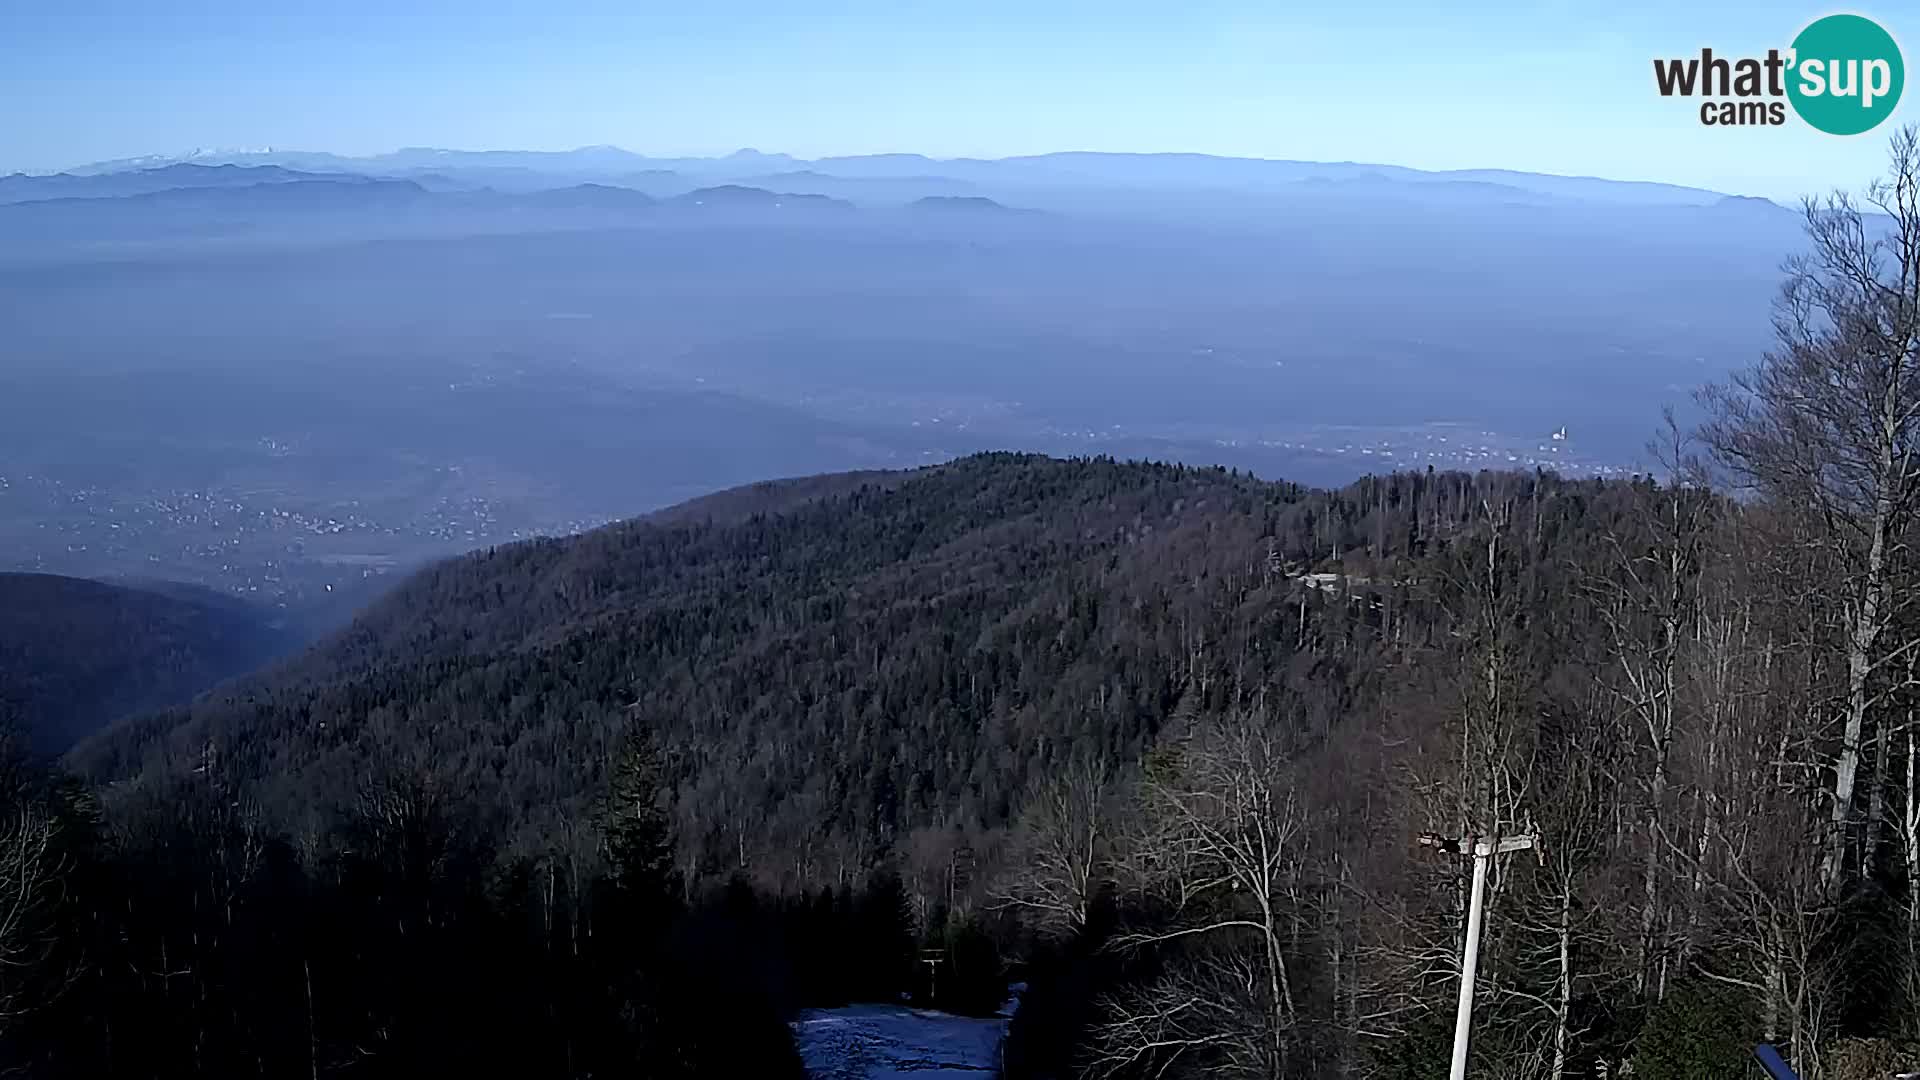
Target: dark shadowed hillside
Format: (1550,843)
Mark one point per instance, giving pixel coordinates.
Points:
(77,654)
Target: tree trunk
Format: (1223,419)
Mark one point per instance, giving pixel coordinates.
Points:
(1562,1029)
(1650,871)
(1862,636)
(1910,835)
(1770,1012)
(1280,992)
(1876,802)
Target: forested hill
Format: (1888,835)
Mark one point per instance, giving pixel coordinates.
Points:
(882,654)
(76,654)
(1170,722)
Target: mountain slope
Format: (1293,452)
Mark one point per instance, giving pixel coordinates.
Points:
(588,196)
(77,654)
(960,204)
(325,193)
(741,196)
(831,671)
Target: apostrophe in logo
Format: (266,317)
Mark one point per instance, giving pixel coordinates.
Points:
(1847,74)
(1842,75)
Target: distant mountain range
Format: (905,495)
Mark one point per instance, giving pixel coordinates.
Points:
(914,175)
(273,188)
(149,201)
(24,188)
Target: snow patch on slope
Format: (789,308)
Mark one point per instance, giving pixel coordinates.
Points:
(894,1042)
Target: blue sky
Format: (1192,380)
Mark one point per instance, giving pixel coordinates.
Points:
(1547,85)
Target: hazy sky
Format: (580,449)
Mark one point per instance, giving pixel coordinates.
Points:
(1560,86)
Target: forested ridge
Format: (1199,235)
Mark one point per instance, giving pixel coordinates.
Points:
(826,679)
(1158,741)
(937,675)
(76,654)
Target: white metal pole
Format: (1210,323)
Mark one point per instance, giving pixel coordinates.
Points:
(1470,958)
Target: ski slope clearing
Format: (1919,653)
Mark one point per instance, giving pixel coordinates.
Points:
(884,1042)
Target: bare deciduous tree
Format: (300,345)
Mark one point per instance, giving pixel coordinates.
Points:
(1648,604)
(1062,848)
(1220,850)
(30,876)
(1830,420)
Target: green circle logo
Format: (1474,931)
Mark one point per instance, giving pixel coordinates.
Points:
(1846,75)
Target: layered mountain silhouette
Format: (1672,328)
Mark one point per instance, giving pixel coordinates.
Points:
(21,187)
(1064,169)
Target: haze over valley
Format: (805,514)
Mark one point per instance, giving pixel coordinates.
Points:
(288,375)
